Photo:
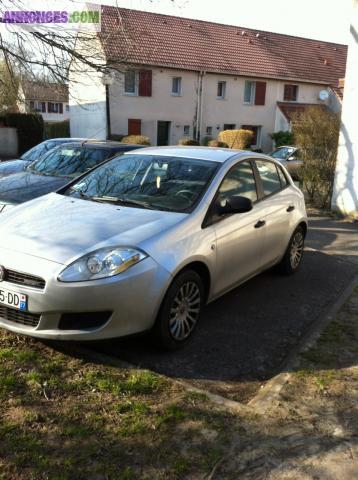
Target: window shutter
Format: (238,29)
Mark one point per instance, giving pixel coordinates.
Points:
(43,107)
(134,126)
(260,93)
(145,83)
(61,107)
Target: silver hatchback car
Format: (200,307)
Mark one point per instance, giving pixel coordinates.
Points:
(144,241)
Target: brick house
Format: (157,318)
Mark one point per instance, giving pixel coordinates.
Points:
(174,77)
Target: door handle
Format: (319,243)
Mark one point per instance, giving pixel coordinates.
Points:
(260,224)
(290,208)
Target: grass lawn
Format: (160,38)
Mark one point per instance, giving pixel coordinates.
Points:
(66,418)
(63,418)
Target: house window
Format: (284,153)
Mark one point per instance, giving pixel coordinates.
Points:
(290,93)
(138,83)
(256,141)
(176,86)
(130,82)
(254,93)
(67,108)
(249,93)
(186,129)
(229,126)
(209,130)
(221,90)
(38,106)
(54,107)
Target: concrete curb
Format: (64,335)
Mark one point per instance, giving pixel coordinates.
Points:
(270,392)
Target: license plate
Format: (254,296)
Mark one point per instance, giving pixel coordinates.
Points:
(13,299)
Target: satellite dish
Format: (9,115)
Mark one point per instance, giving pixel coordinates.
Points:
(323,95)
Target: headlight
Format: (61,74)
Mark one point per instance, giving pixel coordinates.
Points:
(102,263)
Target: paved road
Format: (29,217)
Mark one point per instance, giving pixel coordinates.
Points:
(245,335)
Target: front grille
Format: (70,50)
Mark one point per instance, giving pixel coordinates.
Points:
(19,278)
(17,316)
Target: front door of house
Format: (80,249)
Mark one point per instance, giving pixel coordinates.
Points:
(163,133)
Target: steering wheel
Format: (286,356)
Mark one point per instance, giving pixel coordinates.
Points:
(187,194)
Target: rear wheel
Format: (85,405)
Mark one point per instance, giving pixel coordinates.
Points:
(180,311)
(294,253)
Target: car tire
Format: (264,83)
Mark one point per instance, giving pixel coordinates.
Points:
(292,258)
(180,311)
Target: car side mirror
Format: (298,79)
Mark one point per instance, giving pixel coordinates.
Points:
(291,158)
(235,205)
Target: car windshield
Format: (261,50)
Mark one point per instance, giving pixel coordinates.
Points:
(147,181)
(38,150)
(283,152)
(68,161)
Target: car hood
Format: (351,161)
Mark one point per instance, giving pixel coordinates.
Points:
(12,166)
(61,229)
(24,186)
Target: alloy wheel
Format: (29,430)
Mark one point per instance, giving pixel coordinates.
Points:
(296,250)
(184,311)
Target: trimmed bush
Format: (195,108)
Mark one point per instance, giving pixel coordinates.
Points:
(217,143)
(30,128)
(136,140)
(316,132)
(58,129)
(116,137)
(188,142)
(238,139)
(283,138)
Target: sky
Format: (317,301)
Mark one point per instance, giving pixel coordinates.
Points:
(320,19)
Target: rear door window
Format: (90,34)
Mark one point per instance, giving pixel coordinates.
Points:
(271,182)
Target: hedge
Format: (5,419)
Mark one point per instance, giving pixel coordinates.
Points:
(57,129)
(238,139)
(29,126)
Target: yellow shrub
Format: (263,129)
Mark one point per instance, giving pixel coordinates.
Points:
(238,139)
(136,140)
(188,141)
(217,143)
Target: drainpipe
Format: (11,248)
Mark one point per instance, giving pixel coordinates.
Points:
(199,110)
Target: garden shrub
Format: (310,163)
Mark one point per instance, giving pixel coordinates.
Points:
(217,143)
(188,142)
(136,140)
(238,139)
(283,138)
(316,132)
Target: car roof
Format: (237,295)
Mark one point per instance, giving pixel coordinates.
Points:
(214,154)
(103,144)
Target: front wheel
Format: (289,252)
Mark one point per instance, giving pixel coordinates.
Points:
(180,311)
(294,253)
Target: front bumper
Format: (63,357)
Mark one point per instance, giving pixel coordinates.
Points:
(133,298)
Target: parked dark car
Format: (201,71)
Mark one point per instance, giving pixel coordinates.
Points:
(56,168)
(9,167)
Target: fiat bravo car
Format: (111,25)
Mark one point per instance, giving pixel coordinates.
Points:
(144,241)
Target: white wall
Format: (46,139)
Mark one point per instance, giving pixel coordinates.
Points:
(216,112)
(8,142)
(345,195)
(161,106)
(87,96)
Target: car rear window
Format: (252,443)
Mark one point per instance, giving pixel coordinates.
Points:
(271,182)
(69,161)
